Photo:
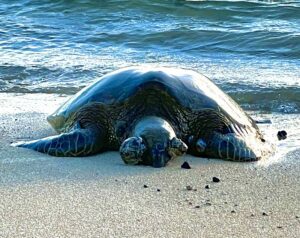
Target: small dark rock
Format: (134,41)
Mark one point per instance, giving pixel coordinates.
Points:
(215,179)
(190,203)
(197,206)
(279,227)
(189,188)
(158,190)
(252,215)
(185,165)
(297,217)
(264,214)
(281,135)
(233,211)
(145,186)
(208,204)
(195,190)
(207,187)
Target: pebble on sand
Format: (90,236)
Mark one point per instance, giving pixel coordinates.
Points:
(215,179)
(189,188)
(281,135)
(185,165)
(207,187)
(145,186)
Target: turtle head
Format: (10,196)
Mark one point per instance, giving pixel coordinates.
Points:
(136,150)
(132,150)
(162,152)
(154,143)
(157,153)
(176,147)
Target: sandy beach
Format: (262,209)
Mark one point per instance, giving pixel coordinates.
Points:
(99,196)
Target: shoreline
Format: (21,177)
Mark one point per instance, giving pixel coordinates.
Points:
(44,196)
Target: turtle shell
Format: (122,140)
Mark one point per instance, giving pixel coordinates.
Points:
(189,88)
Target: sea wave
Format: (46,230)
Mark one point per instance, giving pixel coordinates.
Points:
(249,48)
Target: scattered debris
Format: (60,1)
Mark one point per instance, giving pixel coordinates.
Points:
(195,190)
(207,187)
(197,206)
(145,186)
(185,165)
(233,211)
(264,214)
(263,121)
(215,179)
(279,227)
(208,204)
(281,135)
(189,188)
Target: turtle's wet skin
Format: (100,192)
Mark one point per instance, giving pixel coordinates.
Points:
(152,115)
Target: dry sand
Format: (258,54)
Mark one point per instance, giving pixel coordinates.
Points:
(99,196)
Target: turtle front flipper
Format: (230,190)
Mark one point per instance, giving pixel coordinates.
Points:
(78,142)
(230,147)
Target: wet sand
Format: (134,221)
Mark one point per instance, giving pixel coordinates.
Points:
(99,196)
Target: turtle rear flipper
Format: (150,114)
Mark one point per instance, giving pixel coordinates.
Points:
(78,142)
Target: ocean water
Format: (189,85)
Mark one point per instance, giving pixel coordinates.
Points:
(251,49)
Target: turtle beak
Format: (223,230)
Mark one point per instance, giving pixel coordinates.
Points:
(160,157)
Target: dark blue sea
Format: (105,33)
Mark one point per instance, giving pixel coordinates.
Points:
(251,49)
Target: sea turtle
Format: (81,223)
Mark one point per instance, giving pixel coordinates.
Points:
(152,114)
